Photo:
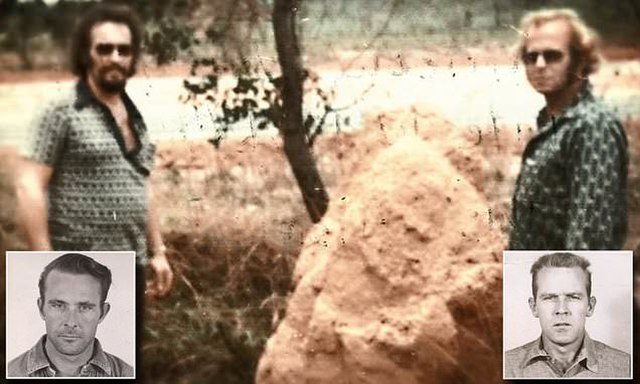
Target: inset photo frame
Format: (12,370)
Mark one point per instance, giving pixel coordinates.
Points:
(57,313)
(564,331)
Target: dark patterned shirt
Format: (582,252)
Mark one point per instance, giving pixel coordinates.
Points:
(34,363)
(594,359)
(97,198)
(571,192)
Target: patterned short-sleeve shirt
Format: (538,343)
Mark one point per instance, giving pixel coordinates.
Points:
(96,196)
(571,192)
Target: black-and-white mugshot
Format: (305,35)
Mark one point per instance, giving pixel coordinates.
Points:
(562,301)
(72,302)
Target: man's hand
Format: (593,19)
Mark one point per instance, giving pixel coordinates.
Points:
(162,275)
(162,279)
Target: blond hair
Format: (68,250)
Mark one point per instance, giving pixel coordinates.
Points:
(584,45)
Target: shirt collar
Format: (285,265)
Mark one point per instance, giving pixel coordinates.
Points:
(37,358)
(584,95)
(586,353)
(84,98)
(99,358)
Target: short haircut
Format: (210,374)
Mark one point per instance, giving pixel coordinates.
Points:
(584,43)
(559,260)
(78,264)
(80,59)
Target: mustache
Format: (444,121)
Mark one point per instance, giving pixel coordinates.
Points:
(116,67)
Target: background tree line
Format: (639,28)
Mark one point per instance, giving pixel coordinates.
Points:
(36,34)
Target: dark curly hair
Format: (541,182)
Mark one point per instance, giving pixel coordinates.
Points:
(81,42)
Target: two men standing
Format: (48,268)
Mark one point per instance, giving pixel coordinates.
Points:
(85,187)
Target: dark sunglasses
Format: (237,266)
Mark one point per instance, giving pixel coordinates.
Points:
(107,49)
(550,56)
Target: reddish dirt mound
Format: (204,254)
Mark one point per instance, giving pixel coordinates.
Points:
(401,280)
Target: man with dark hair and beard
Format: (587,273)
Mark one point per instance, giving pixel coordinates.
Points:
(83,183)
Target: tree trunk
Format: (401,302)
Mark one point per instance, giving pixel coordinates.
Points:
(497,12)
(296,149)
(23,52)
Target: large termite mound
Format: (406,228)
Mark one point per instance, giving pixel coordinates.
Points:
(401,281)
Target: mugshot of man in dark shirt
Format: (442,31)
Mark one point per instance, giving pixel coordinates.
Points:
(72,302)
(562,301)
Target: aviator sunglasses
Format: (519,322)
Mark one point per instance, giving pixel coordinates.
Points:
(107,49)
(550,56)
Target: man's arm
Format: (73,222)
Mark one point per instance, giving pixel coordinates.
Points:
(32,184)
(163,275)
(598,163)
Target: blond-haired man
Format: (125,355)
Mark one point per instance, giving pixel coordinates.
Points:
(571,190)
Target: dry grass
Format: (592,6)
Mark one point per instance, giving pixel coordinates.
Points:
(234,222)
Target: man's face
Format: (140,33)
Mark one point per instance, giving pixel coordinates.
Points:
(561,304)
(547,56)
(110,56)
(71,311)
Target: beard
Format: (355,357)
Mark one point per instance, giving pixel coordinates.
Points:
(112,85)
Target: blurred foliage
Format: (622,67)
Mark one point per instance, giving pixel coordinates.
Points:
(21,22)
(233,30)
(253,93)
(180,29)
(202,32)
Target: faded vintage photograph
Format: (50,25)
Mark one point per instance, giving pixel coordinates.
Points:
(70,314)
(568,314)
(319,191)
